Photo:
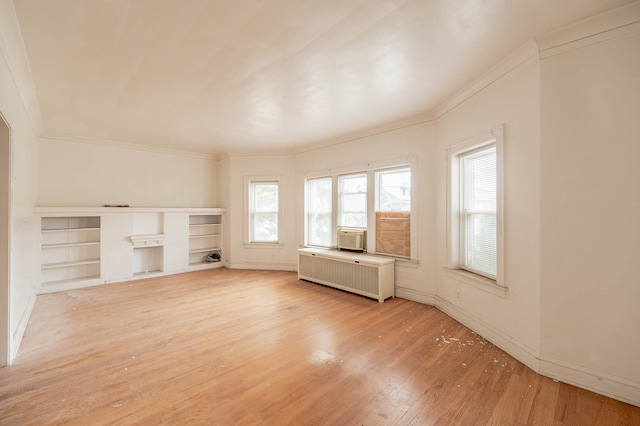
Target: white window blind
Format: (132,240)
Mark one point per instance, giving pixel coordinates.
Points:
(478,227)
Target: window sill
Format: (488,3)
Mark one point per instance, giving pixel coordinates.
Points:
(477,281)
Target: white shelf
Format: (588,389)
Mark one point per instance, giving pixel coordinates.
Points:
(69,264)
(204,250)
(72,281)
(63,245)
(47,231)
(145,273)
(205,236)
(202,265)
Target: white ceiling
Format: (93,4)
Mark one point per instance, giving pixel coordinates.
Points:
(214,76)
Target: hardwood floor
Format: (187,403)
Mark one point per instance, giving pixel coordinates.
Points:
(245,347)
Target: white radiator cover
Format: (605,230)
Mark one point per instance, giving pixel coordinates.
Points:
(366,275)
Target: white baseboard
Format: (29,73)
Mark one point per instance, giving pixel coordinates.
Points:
(18,334)
(267,266)
(605,384)
(523,353)
(415,295)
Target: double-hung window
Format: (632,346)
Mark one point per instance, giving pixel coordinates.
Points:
(264,209)
(475,206)
(393,212)
(319,216)
(478,212)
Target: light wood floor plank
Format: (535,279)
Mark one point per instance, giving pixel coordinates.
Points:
(252,347)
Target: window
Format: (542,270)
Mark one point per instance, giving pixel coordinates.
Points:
(353,200)
(475,206)
(319,198)
(393,212)
(478,251)
(376,197)
(263,212)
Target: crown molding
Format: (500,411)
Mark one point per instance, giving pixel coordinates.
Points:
(605,26)
(415,120)
(256,153)
(521,57)
(125,145)
(20,69)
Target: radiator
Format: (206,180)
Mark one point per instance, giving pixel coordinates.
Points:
(362,274)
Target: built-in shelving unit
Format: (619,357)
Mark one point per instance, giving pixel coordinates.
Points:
(70,249)
(148,254)
(205,241)
(87,246)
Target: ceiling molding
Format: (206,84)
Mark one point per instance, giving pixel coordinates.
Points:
(605,26)
(256,153)
(126,145)
(414,120)
(521,57)
(15,56)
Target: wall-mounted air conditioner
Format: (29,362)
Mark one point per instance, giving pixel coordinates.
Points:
(352,239)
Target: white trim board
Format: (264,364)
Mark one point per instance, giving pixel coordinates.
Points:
(21,328)
(605,384)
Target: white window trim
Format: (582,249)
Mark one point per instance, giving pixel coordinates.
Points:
(248,180)
(410,161)
(492,137)
(306,210)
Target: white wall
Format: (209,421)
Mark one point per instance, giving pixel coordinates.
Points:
(87,174)
(413,280)
(591,214)
(239,254)
(511,320)
(19,107)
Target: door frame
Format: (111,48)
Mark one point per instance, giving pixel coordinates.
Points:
(6,250)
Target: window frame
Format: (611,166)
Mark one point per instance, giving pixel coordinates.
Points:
(370,169)
(307,213)
(493,137)
(250,181)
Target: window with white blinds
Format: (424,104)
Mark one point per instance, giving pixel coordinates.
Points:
(474,208)
(478,212)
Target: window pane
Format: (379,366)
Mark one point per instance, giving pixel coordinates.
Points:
(265,227)
(394,190)
(319,224)
(353,200)
(264,212)
(480,243)
(479,183)
(266,197)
